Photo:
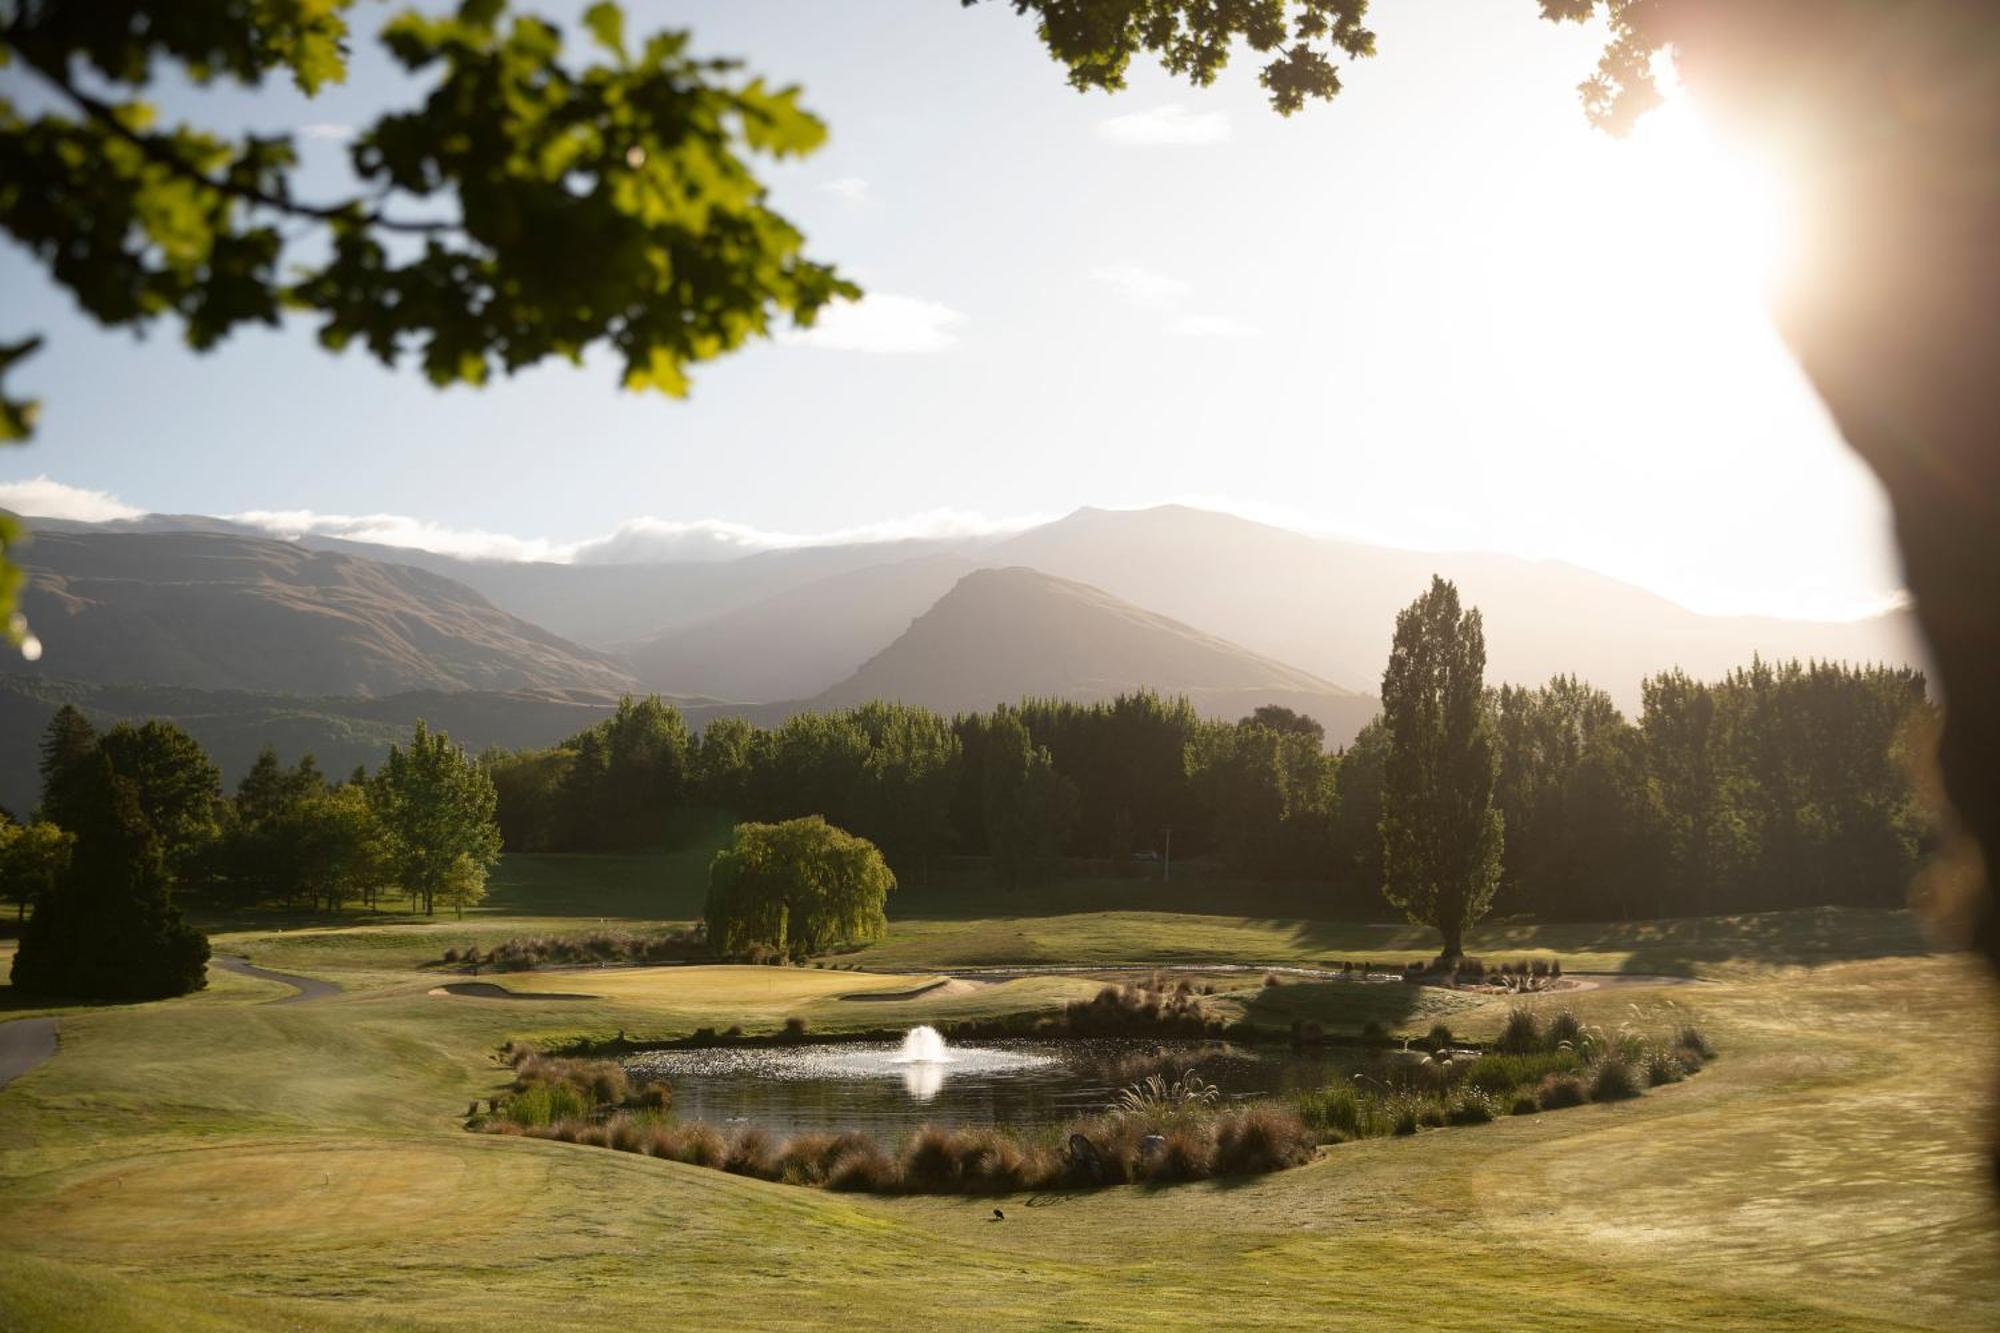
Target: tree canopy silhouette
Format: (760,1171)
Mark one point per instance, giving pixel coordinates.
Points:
(534,203)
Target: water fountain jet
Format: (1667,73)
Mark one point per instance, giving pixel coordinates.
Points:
(923,1045)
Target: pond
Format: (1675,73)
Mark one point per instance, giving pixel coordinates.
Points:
(886,1089)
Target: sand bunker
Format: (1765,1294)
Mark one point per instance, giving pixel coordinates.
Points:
(940,989)
(486,990)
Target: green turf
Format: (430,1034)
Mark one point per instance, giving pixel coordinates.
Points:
(221,1162)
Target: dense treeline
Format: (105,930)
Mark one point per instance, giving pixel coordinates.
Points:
(134,821)
(1779,786)
(1782,785)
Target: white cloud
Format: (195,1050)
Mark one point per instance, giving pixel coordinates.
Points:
(41,497)
(1165,125)
(402,530)
(881,323)
(644,540)
(327,132)
(853,189)
(1143,287)
(1212,326)
(652,540)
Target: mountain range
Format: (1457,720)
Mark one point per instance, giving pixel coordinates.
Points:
(219,611)
(1231,612)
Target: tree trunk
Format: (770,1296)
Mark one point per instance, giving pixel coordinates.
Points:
(1895,314)
(1454,942)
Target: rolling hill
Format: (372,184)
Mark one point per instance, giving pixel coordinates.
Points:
(1001,634)
(1330,606)
(226,612)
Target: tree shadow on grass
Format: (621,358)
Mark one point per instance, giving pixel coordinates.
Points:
(1338,1007)
(1809,937)
(14,1000)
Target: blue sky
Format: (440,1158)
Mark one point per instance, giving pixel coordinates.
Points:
(1439,312)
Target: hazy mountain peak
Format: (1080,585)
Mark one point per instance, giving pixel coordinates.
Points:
(1006,632)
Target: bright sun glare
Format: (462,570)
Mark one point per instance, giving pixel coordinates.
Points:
(1725,214)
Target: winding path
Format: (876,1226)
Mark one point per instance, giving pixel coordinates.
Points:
(25,1043)
(309,988)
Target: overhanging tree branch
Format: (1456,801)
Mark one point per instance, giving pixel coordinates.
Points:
(106,115)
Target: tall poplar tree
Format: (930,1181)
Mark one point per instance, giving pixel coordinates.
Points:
(1441,835)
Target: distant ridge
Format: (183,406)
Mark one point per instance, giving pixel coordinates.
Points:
(227,612)
(1003,634)
(232,725)
(1329,606)
(772,628)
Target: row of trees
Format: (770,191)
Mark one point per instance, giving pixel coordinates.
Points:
(135,819)
(1782,785)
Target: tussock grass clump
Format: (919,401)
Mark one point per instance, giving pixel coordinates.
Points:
(547,1090)
(1502,1073)
(865,1169)
(751,1152)
(1185,1153)
(1691,1039)
(1258,1138)
(1335,1114)
(598,946)
(810,1159)
(1154,1095)
(1471,1106)
(603,1081)
(1663,1067)
(1119,1148)
(973,1160)
(1560,1090)
(930,1160)
(693,1144)
(1614,1081)
(1142,1009)
(1522,1034)
(1545,1070)
(547,1104)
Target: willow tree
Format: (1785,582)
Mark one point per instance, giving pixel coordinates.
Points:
(800,888)
(1441,834)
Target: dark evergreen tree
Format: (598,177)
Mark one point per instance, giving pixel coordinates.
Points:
(109,929)
(68,744)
